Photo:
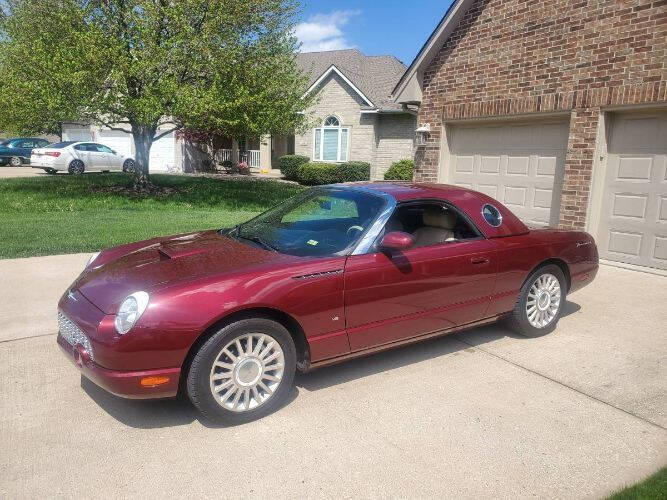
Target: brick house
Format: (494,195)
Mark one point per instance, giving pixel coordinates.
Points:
(558,109)
(355,117)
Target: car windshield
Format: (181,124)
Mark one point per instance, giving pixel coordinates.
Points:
(5,142)
(318,222)
(60,145)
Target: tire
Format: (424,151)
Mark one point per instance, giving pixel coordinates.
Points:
(542,314)
(244,390)
(15,161)
(129,166)
(76,167)
(50,171)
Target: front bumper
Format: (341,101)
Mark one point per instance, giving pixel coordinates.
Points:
(126,384)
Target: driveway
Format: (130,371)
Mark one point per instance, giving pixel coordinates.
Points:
(577,413)
(12,172)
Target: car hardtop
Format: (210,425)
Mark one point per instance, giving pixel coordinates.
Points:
(471,202)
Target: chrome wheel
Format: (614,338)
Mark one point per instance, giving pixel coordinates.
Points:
(543,302)
(15,161)
(247,372)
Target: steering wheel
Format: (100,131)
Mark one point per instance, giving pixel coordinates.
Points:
(350,230)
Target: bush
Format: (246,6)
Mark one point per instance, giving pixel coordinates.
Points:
(317,173)
(401,170)
(289,164)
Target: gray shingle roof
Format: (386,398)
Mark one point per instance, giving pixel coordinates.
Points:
(375,76)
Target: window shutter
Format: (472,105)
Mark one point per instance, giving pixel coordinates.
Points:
(330,146)
(343,144)
(318,138)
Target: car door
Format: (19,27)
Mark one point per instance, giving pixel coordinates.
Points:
(113,160)
(394,296)
(99,156)
(24,148)
(82,152)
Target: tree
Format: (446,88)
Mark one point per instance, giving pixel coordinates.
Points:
(150,67)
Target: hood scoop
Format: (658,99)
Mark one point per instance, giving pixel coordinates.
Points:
(176,251)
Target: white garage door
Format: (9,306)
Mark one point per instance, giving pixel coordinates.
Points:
(76,133)
(519,164)
(120,142)
(163,154)
(633,221)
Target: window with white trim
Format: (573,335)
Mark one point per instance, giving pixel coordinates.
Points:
(331,141)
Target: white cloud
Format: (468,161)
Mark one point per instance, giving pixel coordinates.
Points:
(324,31)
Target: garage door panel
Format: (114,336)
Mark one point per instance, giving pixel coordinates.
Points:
(519,165)
(464,164)
(546,166)
(634,168)
(120,142)
(633,221)
(488,189)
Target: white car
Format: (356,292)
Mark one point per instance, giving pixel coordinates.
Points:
(79,157)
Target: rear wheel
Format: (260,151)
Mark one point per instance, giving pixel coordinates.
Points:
(15,161)
(129,166)
(76,167)
(243,372)
(540,302)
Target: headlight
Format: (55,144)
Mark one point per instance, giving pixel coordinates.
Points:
(130,311)
(92,258)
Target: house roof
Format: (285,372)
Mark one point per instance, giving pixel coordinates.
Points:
(409,86)
(372,77)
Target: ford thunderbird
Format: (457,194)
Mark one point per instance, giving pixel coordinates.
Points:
(228,316)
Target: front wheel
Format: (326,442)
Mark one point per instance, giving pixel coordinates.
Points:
(15,161)
(76,167)
(540,302)
(243,372)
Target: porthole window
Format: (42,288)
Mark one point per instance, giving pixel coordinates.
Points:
(492,215)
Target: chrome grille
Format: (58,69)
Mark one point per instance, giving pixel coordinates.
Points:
(73,334)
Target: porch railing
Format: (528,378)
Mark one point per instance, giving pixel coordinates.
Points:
(226,155)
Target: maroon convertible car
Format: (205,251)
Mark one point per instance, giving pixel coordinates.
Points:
(338,271)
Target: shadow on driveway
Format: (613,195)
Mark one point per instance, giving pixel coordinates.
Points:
(151,414)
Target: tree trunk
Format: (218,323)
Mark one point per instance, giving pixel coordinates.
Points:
(143,140)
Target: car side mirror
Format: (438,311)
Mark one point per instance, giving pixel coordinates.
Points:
(397,240)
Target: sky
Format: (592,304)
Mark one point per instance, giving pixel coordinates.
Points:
(375,27)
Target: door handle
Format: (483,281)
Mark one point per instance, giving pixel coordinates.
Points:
(479,260)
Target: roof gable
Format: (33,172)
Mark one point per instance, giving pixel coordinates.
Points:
(334,69)
(372,77)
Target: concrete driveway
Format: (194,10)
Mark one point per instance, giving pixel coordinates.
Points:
(577,413)
(12,172)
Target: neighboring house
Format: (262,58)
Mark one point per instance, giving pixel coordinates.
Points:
(356,118)
(558,109)
(166,153)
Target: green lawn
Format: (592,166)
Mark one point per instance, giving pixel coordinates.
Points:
(67,214)
(652,488)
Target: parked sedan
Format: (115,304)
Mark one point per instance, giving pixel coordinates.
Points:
(337,272)
(16,151)
(80,157)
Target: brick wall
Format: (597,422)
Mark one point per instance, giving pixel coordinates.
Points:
(513,57)
(395,141)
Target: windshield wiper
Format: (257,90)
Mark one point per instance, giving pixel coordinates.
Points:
(257,239)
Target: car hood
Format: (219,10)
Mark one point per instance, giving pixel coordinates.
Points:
(168,261)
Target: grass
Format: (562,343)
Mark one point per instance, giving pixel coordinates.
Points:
(652,488)
(67,214)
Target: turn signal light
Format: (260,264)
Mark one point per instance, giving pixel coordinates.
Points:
(154,380)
